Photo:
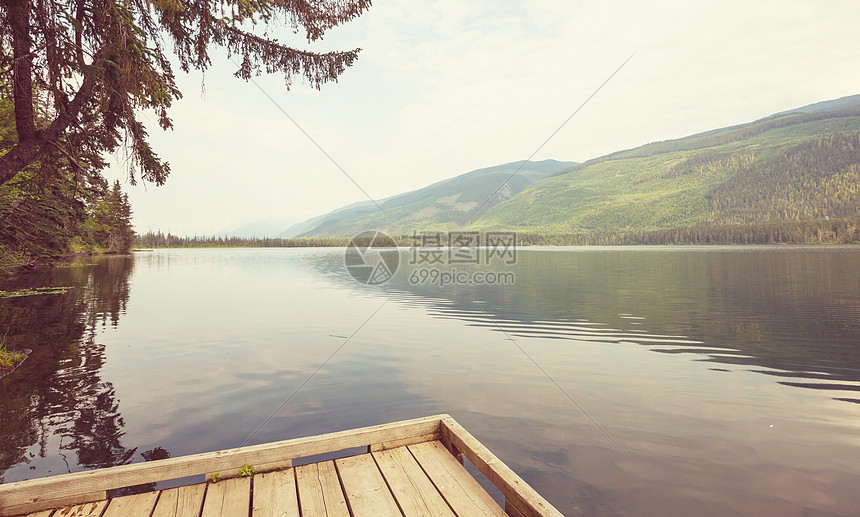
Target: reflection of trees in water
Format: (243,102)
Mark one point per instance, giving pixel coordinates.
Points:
(58,392)
(789,313)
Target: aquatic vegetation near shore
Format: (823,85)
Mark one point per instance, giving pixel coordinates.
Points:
(33,291)
(9,360)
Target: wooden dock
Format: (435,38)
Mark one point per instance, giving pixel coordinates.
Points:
(411,468)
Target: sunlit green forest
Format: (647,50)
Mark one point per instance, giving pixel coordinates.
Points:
(793,179)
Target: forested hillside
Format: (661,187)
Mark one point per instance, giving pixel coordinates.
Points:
(816,179)
(792,178)
(444,205)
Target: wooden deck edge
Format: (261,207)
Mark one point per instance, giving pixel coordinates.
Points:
(525,500)
(412,440)
(50,492)
(36,506)
(258,469)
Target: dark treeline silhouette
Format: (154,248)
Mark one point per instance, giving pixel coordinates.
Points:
(161,240)
(821,231)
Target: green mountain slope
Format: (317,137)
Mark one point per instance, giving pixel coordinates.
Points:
(791,167)
(441,206)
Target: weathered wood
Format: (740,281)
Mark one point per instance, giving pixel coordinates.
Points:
(409,471)
(259,469)
(47,501)
(335,499)
(43,513)
(56,488)
(445,440)
(227,498)
(138,505)
(413,490)
(275,495)
(512,510)
(184,501)
(456,485)
(402,443)
(311,498)
(523,496)
(83,510)
(366,492)
(319,490)
(273,467)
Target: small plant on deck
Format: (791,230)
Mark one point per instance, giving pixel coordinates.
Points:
(216,477)
(247,471)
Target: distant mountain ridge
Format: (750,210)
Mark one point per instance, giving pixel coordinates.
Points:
(851,101)
(782,168)
(444,205)
(800,165)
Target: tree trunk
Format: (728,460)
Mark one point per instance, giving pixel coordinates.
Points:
(19,157)
(22,68)
(31,142)
(28,146)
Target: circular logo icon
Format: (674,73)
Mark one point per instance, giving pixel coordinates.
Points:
(372,257)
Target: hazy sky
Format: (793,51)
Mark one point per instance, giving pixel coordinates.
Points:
(443,87)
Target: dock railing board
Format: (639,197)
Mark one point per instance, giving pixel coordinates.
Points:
(521,500)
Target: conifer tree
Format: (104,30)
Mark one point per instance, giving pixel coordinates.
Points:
(92,66)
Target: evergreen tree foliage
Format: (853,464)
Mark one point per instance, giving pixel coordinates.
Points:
(52,209)
(92,66)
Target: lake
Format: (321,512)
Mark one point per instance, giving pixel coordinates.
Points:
(616,381)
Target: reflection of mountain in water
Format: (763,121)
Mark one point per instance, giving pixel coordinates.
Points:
(57,398)
(792,313)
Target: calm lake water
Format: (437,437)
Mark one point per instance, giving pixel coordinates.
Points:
(671,381)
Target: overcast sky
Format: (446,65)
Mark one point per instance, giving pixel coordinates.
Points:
(443,87)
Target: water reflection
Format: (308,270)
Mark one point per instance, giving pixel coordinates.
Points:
(56,405)
(788,313)
(716,369)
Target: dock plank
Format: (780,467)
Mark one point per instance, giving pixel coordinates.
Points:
(13,496)
(457,486)
(83,510)
(366,491)
(184,501)
(138,505)
(230,497)
(275,495)
(319,490)
(413,490)
(410,469)
(335,500)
